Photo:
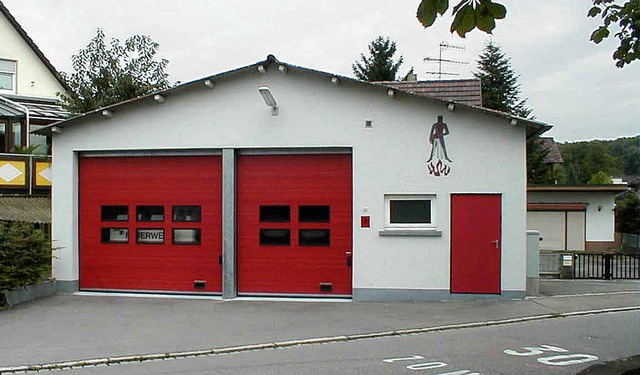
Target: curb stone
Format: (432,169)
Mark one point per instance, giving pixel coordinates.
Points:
(292,343)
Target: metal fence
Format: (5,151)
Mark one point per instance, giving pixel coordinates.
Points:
(606,266)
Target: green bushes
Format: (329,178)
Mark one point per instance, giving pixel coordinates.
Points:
(25,255)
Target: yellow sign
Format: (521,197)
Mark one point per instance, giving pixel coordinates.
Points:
(43,173)
(13,172)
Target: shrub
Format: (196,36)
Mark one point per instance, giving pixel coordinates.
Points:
(25,255)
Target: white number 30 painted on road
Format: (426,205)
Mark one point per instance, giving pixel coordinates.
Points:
(556,360)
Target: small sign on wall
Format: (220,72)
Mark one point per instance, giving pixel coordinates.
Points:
(567,260)
(150,236)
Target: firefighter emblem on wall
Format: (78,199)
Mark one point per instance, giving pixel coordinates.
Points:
(439,163)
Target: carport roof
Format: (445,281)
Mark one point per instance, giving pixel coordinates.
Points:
(534,127)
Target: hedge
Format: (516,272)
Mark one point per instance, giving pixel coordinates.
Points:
(25,255)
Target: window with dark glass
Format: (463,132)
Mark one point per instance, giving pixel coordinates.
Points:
(150,213)
(186,213)
(17,134)
(114,213)
(114,235)
(275,237)
(314,214)
(150,235)
(314,237)
(275,214)
(186,236)
(410,211)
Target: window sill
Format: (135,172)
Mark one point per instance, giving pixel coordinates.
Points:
(410,233)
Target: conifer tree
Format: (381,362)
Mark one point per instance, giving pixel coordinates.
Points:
(379,65)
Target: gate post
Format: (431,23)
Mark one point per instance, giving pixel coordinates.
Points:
(533,263)
(229,286)
(608,275)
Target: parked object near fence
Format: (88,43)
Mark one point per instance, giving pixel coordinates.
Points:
(606,266)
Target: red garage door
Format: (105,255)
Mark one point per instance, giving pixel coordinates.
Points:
(150,223)
(294,224)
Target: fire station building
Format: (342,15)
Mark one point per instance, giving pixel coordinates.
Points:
(278,180)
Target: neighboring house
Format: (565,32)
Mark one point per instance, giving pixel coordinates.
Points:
(273,179)
(28,88)
(573,218)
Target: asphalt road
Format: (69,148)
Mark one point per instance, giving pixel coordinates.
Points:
(556,346)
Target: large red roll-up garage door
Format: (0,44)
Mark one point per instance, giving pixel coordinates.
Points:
(294,224)
(150,223)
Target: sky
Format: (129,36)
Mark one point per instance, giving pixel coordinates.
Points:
(570,82)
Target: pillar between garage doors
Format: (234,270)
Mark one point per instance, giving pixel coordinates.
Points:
(229,285)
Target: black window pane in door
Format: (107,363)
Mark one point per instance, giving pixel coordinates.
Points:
(114,213)
(275,214)
(186,213)
(150,213)
(410,211)
(275,237)
(314,237)
(314,214)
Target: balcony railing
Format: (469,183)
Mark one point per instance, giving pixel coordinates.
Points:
(25,174)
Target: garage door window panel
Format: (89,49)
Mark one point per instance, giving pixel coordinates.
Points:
(114,213)
(314,214)
(275,237)
(150,213)
(186,236)
(275,214)
(150,236)
(314,237)
(187,213)
(114,235)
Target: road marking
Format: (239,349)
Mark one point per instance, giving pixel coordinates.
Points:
(284,344)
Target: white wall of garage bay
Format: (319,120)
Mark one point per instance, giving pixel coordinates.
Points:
(390,157)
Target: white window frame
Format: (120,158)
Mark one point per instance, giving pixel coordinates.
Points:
(410,197)
(14,73)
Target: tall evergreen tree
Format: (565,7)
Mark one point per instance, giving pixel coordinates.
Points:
(379,65)
(500,87)
(501,91)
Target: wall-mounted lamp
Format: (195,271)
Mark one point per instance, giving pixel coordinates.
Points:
(513,122)
(335,80)
(391,93)
(107,113)
(282,68)
(209,83)
(159,98)
(451,107)
(599,208)
(261,69)
(57,129)
(269,99)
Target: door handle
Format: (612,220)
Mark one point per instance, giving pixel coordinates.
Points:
(349,258)
(497,242)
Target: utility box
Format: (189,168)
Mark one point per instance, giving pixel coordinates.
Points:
(533,263)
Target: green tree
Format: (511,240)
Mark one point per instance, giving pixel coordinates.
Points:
(628,213)
(105,74)
(482,14)
(379,65)
(600,178)
(585,159)
(500,87)
(25,255)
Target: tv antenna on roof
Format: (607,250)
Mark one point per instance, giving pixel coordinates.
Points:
(444,46)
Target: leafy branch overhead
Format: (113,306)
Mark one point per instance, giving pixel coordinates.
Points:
(622,15)
(468,14)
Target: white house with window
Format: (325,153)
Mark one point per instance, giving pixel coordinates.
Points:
(273,179)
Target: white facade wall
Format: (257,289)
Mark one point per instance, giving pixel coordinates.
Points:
(488,157)
(32,76)
(600,214)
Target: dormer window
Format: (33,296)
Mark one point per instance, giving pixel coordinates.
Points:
(7,76)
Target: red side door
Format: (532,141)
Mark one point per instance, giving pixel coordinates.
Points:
(475,243)
(294,224)
(150,223)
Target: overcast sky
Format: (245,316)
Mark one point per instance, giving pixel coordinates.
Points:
(570,82)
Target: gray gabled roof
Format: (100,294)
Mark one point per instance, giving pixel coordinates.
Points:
(33,46)
(534,127)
